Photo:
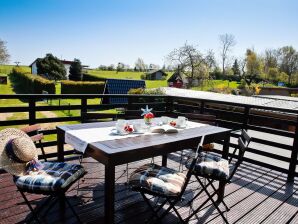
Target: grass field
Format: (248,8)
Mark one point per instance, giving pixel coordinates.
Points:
(217,84)
(130,75)
(6,69)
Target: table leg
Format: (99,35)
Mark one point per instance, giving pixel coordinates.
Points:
(225,154)
(60,145)
(109,193)
(164,160)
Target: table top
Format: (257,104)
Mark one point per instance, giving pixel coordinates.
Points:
(141,144)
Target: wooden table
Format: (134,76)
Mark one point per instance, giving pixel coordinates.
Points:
(122,151)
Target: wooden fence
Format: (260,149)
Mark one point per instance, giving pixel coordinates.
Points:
(282,122)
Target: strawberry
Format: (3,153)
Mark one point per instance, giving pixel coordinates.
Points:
(173,123)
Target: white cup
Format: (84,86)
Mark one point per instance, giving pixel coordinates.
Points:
(120,126)
(137,126)
(164,119)
(181,121)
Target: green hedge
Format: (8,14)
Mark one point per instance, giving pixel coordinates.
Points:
(81,87)
(92,78)
(29,83)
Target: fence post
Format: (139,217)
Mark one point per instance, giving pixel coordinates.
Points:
(32,111)
(202,108)
(294,154)
(83,109)
(169,105)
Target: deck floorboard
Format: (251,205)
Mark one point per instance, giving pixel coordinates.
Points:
(256,195)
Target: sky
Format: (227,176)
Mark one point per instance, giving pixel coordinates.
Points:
(107,32)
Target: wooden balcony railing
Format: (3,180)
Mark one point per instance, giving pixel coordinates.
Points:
(264,120)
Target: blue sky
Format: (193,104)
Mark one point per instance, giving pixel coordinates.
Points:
(107,32)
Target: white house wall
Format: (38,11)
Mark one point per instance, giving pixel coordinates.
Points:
(34,69)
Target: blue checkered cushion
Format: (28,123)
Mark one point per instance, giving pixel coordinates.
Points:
(211,165)
(55,176)
(158,179)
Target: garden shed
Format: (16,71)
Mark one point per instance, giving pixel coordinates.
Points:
(156,75)
(175,80)
(120,86)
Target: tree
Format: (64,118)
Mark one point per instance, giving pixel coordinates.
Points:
(120,67)
(270,59)
(288,61)
(140,65)
(253,67)
(189,59)
(236,68)
(75,70)
(4,56)
(227,41)
(51,67)
(273,74)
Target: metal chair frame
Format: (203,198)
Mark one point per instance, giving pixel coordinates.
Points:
(58,195)
(171,200)
(243,142)
(34,132)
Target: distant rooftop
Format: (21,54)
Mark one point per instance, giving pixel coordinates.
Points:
(279,102)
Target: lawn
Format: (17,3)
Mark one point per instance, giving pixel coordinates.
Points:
(6,69)
(216,84)
(130,75)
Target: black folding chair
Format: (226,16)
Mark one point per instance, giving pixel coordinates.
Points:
(207,146)
(211,173)
(67,173)
(140,178)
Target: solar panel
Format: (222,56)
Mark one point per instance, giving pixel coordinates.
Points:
(121,86)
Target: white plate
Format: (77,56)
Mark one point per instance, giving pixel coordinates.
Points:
(181,127)
(115,132)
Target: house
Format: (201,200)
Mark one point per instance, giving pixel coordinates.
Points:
(64,62)
(120,86)
(175,80)
(156,75)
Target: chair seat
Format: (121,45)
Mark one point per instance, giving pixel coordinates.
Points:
(158,179)
(55,176)
(211,166)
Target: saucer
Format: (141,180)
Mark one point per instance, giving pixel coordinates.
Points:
(116,132)
(181,127)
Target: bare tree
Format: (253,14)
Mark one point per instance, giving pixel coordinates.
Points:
(4,56)
(227,41)
(288,61)
(140,65)
(189,59)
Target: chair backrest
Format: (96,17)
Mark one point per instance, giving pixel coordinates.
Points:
(34,132)
(201,118)
(192,165)
(243,142)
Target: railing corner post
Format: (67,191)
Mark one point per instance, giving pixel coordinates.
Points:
(294,154)
(83,109)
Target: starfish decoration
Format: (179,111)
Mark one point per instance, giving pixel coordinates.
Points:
(146,110)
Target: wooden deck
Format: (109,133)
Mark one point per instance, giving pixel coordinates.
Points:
(256,195)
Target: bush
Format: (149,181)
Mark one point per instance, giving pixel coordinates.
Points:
(93,78)
(136,91)
(81,87)
(143,76)
(29,83)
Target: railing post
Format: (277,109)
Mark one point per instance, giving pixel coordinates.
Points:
(83,109)
(169,105)
(32,111)
(202,108)
(246,118)
(294,154)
